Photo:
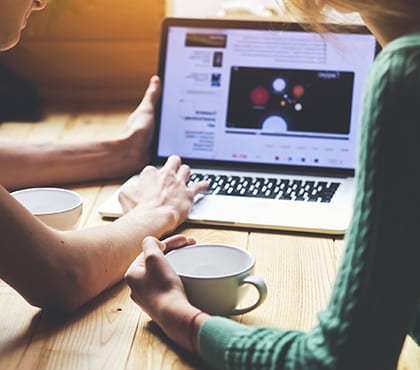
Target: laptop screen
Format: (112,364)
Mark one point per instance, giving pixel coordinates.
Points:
(261,93)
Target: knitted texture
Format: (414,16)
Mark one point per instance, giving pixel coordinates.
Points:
(373,305)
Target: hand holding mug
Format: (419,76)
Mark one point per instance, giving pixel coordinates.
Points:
(154,283)
(211,277)
(216,277)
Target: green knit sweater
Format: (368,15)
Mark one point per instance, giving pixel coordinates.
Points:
(373,304)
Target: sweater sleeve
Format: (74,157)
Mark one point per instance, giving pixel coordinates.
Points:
(373,304)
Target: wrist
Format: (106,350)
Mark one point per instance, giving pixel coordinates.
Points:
(157,220)
(133,155)
(181,323)
(136,226)
(194,327)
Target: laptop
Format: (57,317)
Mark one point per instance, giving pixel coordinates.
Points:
(268,113)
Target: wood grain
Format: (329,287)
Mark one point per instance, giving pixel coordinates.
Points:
(111,332)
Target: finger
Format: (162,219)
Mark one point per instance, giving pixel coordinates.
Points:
(177,241)
(172,163)
(191,240)
(154,260)
(151,245)
(153,90)
(198,187)
(151,94)
(184,172)
(135,268)
(139,260)
(149,169)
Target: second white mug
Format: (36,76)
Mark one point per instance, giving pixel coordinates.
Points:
(215,277)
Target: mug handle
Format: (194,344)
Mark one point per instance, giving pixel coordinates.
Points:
(258,283)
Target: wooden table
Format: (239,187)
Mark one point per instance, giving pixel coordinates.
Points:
(112,332)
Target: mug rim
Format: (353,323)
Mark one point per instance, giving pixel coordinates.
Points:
(218,276)
(79,198)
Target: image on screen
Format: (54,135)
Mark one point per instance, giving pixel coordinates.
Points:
(290,100)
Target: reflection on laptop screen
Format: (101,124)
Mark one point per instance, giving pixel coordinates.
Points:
(278,97)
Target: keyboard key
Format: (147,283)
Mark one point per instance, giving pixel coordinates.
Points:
(270,188)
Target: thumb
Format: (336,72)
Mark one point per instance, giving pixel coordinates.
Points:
(151,95)
(153,90)
(152,245)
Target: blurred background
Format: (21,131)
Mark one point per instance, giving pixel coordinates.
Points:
(96,50)
(91,50)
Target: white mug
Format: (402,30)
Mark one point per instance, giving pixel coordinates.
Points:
(57,207)
(215,277)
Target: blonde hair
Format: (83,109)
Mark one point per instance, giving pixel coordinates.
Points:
(316,12)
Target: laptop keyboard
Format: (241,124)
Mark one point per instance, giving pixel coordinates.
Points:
(266,187)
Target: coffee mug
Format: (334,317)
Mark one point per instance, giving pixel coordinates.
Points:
(216,277)
(57,207)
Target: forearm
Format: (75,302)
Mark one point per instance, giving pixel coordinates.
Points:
(227,344)
(63,270)
(102,254)
(180,321)
(34,164)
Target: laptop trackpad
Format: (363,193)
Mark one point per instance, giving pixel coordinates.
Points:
(267,213)
(240,210)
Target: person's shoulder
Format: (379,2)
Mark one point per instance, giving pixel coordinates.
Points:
(400,53)
(398,63)
(407,42)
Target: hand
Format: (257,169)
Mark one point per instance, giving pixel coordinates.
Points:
(138,131)
(150,276)
(164,190)
(158,290)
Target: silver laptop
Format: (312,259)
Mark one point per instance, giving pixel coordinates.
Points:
(268,113)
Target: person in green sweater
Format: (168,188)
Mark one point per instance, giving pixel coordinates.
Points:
(376,297)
